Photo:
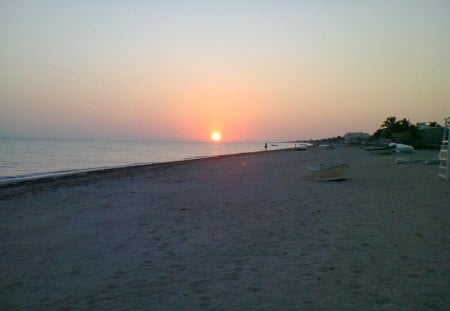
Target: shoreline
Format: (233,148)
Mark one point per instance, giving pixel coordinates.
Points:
(54,176)
(80,173)
(247,231)
(46,158)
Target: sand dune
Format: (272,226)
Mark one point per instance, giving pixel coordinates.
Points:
(243,232)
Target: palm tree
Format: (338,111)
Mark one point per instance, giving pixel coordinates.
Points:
(403,125)
(390,121)
(389,126)
(402,130)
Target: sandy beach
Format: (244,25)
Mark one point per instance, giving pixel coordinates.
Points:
(242,232)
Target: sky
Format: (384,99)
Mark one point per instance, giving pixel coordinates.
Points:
(252,70)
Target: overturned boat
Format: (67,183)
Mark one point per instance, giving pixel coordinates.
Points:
(330,173)
(402,148)
(381,149)
(301,147)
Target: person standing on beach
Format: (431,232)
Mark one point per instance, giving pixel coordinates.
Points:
(265,146)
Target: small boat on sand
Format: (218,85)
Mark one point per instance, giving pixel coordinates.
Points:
(330,173)
(381,150)
(327,146)
(301,147)
(401,148)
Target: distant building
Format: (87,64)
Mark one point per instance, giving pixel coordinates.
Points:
(356,137)
(430,134)
(427,125)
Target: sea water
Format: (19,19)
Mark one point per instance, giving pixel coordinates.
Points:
(25,158)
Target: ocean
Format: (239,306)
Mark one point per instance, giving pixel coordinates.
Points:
(27,158)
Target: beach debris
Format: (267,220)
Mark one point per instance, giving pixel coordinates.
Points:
(327,146)
(432,162)
(406,160)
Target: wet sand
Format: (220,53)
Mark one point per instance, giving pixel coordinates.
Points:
(243,232)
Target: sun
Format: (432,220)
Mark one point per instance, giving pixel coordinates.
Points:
(216,136)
